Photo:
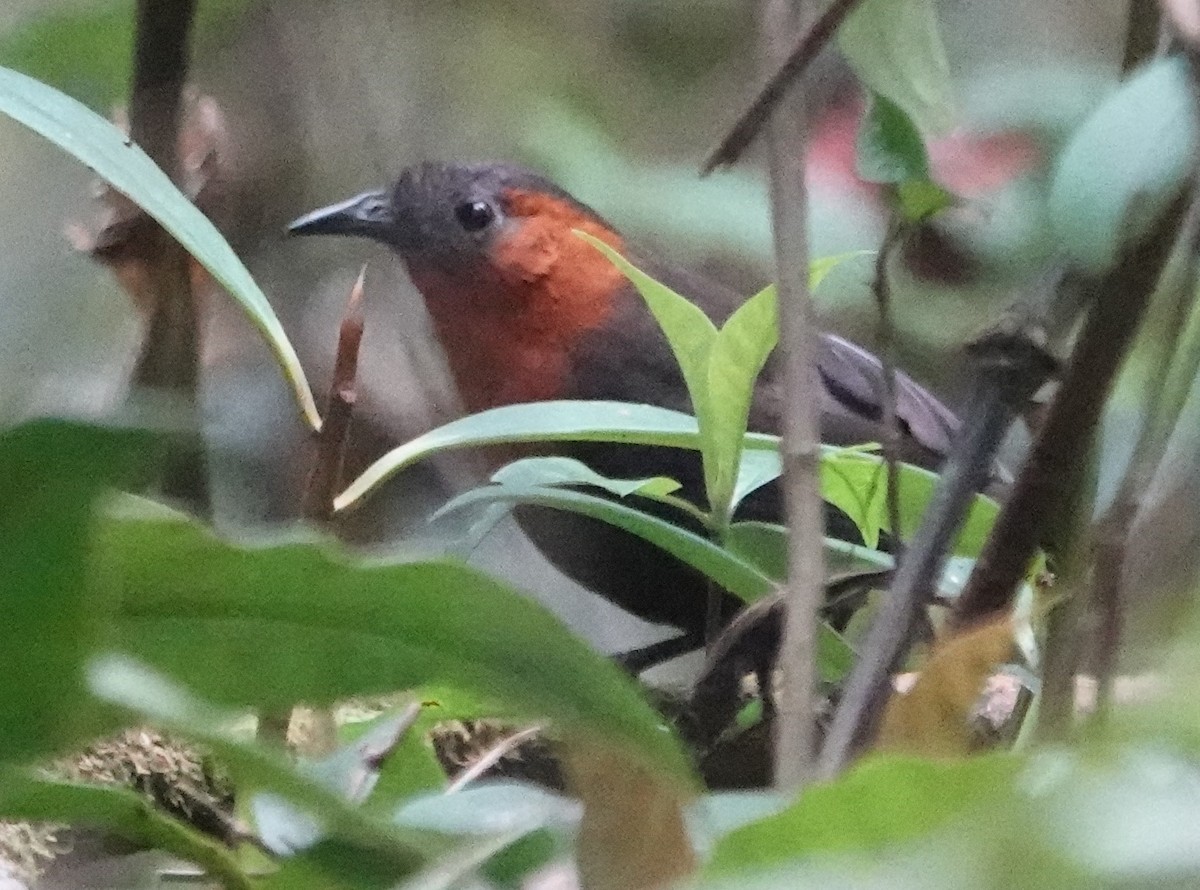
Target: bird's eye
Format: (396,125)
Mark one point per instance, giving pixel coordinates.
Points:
(474,215)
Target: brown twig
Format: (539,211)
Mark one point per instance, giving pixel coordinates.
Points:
(1143,33)
(795,726)
(325,478)
(1051,473)
(754,118)
(169,362)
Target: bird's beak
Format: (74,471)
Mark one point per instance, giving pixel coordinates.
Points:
(368,215)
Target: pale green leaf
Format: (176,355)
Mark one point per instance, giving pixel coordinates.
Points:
(102,147)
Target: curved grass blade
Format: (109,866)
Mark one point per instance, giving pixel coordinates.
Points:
(91,139)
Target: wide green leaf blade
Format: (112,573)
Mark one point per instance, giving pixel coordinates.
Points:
(895,47)
(102,147)
(734,574)
(556,421)
(298,621)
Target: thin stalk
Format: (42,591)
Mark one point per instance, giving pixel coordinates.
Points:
(800,446)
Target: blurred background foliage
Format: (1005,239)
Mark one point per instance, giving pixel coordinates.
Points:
(618,101)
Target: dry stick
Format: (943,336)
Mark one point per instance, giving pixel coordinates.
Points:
(325,477)
(1011,366)
(1118,302)
(169,363)
(1168,393)
(1142,32)
(885,342)
(795,724)
(788,71)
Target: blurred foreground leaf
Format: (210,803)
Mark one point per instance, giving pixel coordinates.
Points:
(1125,164)
(274,625)
(933,718)
(50,616)
(895,47)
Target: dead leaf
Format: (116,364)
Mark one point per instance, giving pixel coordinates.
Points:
(632,836)
(933,718)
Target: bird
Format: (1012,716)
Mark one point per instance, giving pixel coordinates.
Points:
(527,311)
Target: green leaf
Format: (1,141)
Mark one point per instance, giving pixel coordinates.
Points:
(298,621)
(556,421)
(1125,164)
(895,48)
(891,151)
(732,573)
(50,617)
(890,148)
(856,483)
(692,337)
(737,356)
(764,545)
(24,797)
(568,471)
(102,147)
(882,803)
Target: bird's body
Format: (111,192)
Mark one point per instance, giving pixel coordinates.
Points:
(527,311)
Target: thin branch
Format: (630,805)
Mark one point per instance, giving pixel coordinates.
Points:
(169,362)
(1052,470)
(1143,31)
(492,756)
(789,70)
(1167,391)
(1011,366)
(885,342)
(795,726)
(325,478)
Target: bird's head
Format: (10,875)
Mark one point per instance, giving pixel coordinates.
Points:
(468,222)
(492,248)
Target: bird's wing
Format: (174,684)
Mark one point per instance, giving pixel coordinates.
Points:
(852,378)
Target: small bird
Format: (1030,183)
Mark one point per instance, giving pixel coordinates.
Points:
(528,311)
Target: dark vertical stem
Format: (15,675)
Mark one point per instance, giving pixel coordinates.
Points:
(885,342)
(795,723)
(1142,33)
(1052,472)
(169,364)
(1011,367)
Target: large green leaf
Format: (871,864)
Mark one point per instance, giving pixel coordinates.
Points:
(1057,819)
(734,574)
(1125,164)
(895,47)
(101,146)
(24,797)
(274,625)
(557,421)
(740,576)
(50,618)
